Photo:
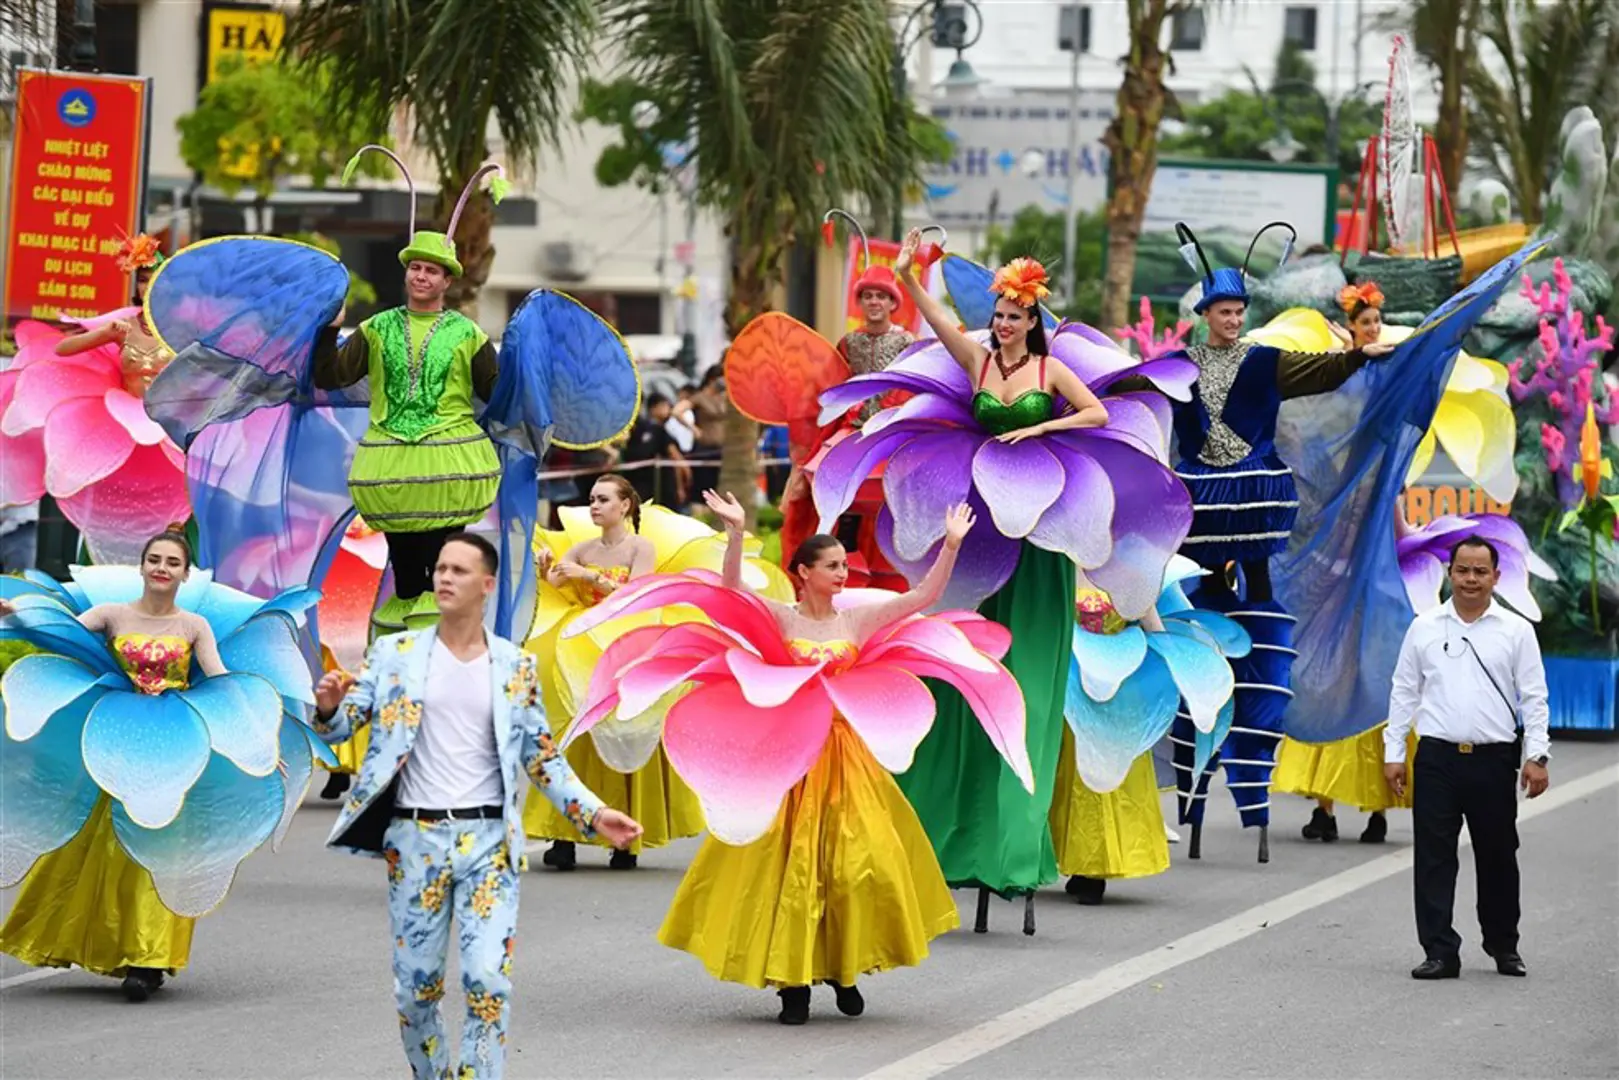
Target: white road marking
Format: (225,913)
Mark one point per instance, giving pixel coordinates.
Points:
(1081,994)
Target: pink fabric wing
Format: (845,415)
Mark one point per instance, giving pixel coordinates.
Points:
(741,760)
(888,707)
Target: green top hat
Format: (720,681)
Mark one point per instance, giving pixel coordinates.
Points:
(433,247)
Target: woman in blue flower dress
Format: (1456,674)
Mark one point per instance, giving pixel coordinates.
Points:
(128,807)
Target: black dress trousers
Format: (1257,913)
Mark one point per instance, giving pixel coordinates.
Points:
(1476,782)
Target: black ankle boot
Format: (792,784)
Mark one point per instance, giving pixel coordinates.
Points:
(794,1005)
(1377,829)
(1323,826)
(139,983)
(850,1003)
(336,784)
(1086,890)
(621,860)
(560,855)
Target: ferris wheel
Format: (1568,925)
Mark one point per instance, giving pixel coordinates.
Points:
(1398,149)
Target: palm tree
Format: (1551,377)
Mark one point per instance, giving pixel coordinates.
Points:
(1132,143)
(791,109)
(1553,56)
(457,65)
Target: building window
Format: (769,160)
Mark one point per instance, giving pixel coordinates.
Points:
(1074,21)
(629,313)
(1186,30)
(1299,30)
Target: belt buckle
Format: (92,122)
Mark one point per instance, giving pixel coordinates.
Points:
(1464,748)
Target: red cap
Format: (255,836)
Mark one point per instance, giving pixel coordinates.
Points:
(881,278)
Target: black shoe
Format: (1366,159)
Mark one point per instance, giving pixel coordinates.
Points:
(1377,829)
(1086,890)
(794,1005)
(560,855)
(336,784)
(850,1003)
(1323,826)
(1510,963)
(622,860)
(140,982)
(1433,968)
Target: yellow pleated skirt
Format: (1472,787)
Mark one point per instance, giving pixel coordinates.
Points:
(89,904)
(1116,835)
(653,795)
(1349,771)
(844,884)
(351,754)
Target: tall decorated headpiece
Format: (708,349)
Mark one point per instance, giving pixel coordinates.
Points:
(1352,298)
(139,252)
(1226,283)
(871,276)
(428,246)
(1022,281)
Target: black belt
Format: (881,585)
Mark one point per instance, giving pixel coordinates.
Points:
(1432,744)
(469,813)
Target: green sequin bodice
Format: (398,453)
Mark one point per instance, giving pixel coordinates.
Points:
(1026,410)
(425,373)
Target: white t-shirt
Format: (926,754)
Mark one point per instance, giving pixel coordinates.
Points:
(455,764)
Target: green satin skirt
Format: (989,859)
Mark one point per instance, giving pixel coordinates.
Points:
(987,831)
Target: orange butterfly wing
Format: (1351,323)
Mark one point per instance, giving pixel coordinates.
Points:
(777,367)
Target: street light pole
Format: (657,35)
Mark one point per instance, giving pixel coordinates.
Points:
(1070,228)
(85,56)
(956,33)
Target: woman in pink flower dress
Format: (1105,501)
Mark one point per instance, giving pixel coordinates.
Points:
(817,870)
(72,425)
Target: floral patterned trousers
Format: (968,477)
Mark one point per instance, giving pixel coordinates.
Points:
(436,868)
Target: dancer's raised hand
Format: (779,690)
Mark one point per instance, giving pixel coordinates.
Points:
(728,510)
(906,259)
(958,522)
(330,691)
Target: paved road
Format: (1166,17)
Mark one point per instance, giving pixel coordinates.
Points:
(1220,968)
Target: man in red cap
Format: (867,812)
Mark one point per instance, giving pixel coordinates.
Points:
(878,342)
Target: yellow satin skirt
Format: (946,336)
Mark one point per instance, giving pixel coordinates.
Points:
(1349,771)
(1116,835)
(351,754)
(844,884)
(654,795)
(88,903)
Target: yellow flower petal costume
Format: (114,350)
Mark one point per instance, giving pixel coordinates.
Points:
(624,763)
(1474,422)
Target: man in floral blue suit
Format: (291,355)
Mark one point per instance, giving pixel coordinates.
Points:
(456,723)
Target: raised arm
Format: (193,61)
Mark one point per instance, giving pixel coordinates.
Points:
(867,620)
(485,369)
(732,516)
(967,352)
(112,333)
(338,366)
(1301,374)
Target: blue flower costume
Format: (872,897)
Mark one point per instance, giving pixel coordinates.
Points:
(1126,685)
(131,785)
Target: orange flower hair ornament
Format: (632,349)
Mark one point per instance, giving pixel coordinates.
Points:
(139,252)
(1351,295)
(1023,281)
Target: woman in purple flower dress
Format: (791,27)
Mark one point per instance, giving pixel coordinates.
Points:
(1012,423)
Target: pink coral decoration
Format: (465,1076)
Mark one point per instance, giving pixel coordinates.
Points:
(754,717)
(70,429)
(1148,344)
(1565,374)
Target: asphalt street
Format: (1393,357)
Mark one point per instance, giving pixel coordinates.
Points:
(1219,968)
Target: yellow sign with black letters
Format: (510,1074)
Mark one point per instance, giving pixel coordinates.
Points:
(253,33)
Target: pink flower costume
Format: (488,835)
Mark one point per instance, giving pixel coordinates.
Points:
(817,869)
(73,427)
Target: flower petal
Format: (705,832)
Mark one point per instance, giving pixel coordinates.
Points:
(1228,635)
(267,646)
(765,686)
(43,624)
(22,469)
(82,445)
(46,795)
(1018,482)
(1078,524)
(740,613)
(38,686)
(984,564)
(1110,734)
(43,388)
(1172,375)
(139,499)
(1091,356)
(995,699)
(889,708)
(297,769)
(1104,661)
(1148,528)
(742,760)
(849,463)
(146,751)
(243,716)
(1201,673)
(127,410)
(923,480)
(1424,576)
(193,858)
(933,408)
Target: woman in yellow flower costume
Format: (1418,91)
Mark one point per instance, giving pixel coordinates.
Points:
(1474,424)
(596,552)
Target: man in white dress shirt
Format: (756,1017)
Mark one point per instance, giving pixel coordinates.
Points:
(1468,670)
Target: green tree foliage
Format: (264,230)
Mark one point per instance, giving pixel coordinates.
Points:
(464,68)
(361,292)
(1237,125)
(790,107)
(1039,234)
(257,125)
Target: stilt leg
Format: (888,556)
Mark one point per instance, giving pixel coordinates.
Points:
(1028,914)
(1195,849)
(981,923)
(1264,843)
